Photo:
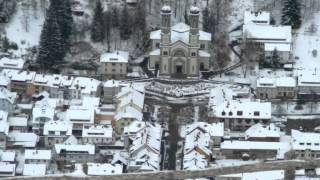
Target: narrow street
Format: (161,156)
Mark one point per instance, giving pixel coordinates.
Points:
(173,137)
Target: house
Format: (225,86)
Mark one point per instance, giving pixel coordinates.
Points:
(74,153)
(105,114)
(35,156)
(129,107)
(99,169)
(7,99)
(84,87)
(79,117)
(7,169)
(20,81)
(238,114)
(144,153)
(34,170)
(43,112)
(25,140)
(180,51)
(261,132)
(257,29)
(114,65)
(234,149)
(110,89)
(18,123)
(6,63)
(130,131)
(194,161)
(4,129)
(305,145)
(280,87)
(99,135)
(56,132)
(59,86)
(8,156)
(308,84)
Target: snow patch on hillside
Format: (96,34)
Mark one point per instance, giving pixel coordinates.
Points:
(16,31)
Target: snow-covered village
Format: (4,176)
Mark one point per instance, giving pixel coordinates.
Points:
(160,89)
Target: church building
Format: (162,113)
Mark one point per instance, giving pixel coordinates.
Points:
(180,51)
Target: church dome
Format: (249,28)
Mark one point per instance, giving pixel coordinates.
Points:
(166,9)
(194,10)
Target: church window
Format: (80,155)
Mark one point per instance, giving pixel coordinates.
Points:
(202,46)
(164,68)
(193,54)
(165,53)
(157,45)
(192,68)
(179,53)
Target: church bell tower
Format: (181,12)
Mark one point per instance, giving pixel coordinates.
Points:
(166,23)
(194,24)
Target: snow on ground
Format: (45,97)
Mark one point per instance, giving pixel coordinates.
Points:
(16,29)
(234,162)
(238,7)
(305,43)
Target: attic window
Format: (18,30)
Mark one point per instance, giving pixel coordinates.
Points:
(230,113)
(317,144)
(223,113)
(239,113)
(256,113)
(301,144)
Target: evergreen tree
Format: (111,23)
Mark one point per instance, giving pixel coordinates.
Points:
(51,50)
(107,27)
(186,17)
(114,17)
(205,20)
(291,13)
(275,59)
(140,25)
(125,30)
(97,27)
(62,9)
(5,44)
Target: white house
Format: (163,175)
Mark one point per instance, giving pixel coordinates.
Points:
(4,128)
(79,117)
(25,140)
(34,169)
(35,156)
(18,123)
(56,132)
(279,87)
(305,145)
(7,99)
(309,83)
(145,149)
(7,169)
(238,114)
(114,65)
(6,63)
(261,17)
(74,153)
(42,112)
(98,135)
(84,87)
(261,132)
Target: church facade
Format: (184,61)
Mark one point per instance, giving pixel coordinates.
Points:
(180,51)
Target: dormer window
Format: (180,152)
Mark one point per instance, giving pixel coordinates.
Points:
(239,113)
(230,113)
(223,113)
(256,113)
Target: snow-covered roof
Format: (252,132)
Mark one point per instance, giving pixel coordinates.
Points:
(280,147)
(99,169)
(85,84)
(277,46)
(34,170)
(261,17)
(197,139)
(262,175)
(134,127)
(204,54)
(194,161)
(129,113)
(268,33)
(133,97)
(6,63)
(180,32)
(7,156)
(277,82)
(34,154)
(18,121)
(145,147)
(23,139)
(57,127)
(111,83)
(6,168)
(223,105)
(16,75)
(66,148)
(98,131)
(4,81)
(305,140)
(4,125)
(214,129)
(309,78)
(115,57)
(263,131)
(80,115)
(43,109)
